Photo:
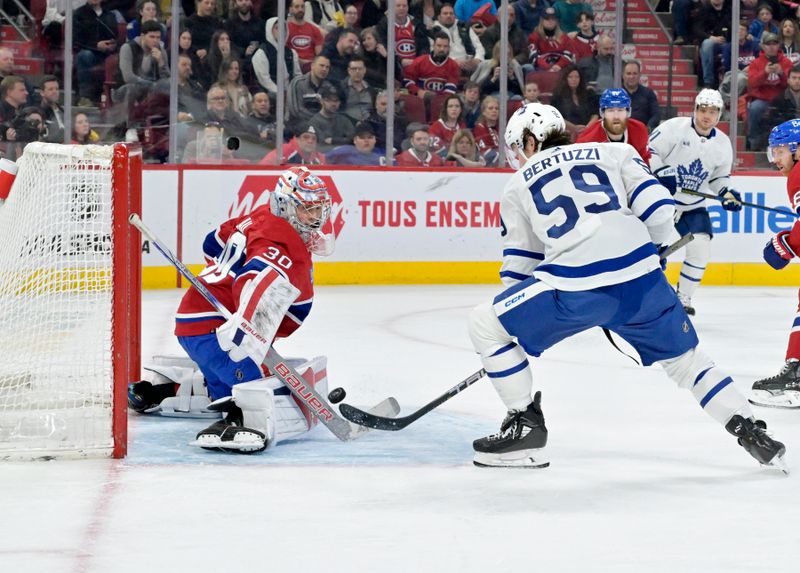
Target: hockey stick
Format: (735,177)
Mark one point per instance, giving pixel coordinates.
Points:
(301,390)
(363,418)
(785,210)
(679,244)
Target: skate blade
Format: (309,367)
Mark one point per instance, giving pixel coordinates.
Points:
(789,400)
(778,463)
(524,459)
(243,443)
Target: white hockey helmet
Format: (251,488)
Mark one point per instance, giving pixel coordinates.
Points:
(302,199)
(710,98)
(540,119)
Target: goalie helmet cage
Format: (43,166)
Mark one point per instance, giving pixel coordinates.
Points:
(70,301)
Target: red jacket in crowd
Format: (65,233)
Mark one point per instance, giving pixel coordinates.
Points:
(761,85)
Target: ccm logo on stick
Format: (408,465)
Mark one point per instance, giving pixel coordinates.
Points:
(305,394)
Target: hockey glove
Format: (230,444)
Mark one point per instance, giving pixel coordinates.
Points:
(667,176)
(777,252)
(661,250)
(731,199)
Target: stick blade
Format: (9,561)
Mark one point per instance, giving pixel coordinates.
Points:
(362,418)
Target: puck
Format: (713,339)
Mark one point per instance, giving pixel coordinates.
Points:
(336,395)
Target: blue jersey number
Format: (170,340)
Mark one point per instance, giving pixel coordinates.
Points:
(577,175)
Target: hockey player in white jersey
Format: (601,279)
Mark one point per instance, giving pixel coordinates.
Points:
(691,153)
(583,225)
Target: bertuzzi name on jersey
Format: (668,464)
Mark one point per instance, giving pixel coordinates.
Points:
(586,154)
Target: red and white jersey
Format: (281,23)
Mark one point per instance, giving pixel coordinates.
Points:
(424,74)
(793,189)
(486,137)
(303,38)
(405,42)
(236,252)
(635,135)
(582,47)
(544,52)
(441,134)
(409,159)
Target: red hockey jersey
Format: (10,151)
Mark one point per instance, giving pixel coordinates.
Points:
(269,242)
(793,189)
(442,135)
(486,137)
(405,41)
(544,52)
(635,135)
(303,38)
(409,159)
(423,73)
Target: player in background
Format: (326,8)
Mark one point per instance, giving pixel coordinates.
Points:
(691,153)
(783,389)
(260,269)
(583,226)
(617,125)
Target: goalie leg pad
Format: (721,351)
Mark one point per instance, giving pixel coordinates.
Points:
(712,388)
(191,398)
(698,253)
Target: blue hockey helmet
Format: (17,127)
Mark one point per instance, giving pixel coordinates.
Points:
(615,98)
(787,133)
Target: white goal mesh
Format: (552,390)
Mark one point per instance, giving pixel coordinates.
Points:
(57,273)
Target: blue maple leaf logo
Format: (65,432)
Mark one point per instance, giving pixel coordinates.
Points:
(693,177)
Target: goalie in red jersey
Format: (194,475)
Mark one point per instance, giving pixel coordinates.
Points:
(783,389)
(617,126)
(260,269)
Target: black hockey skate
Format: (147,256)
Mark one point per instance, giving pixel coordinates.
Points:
(752,436)
(781,390)
(518,444)
(143,395)
(230,434)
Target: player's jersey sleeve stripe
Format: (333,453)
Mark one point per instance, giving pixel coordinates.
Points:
(642,187)
(197,317)
(714,391)
(299,311)
(599,267)
(514,275)
(523,253)
(655,206)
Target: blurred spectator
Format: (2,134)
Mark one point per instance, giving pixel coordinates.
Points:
(185,48)
(218,110)
(418,154)
(425,11)
(35,128)
(351,19)
(219,50)
(472,103)
(434,73)
(644,102)
(466,8)
(191,95)
(301,150)
(53,22)
(14,97)
(766,79)
(574,100)
(358,94)
(598,70)
(82,132)
(146,10)
(245,28)
(302,36)
(48,100)
(265,61)
(764,22)
(528,13)
(517,40)
(203,24)
(143,61)
(411,37)
(487,76)
(584,42)
(378,121)
(464,151)
(370,12)
(451,120)
(6,63)
(465,45)
(531,93)
(303,97)
(209,146)
(361,152)
(374,54)
(339,55)
(787,105)
(485,130)
(95,38)
(714,25)
(748,50)
(333,128)
(262,128)
(680,20)
(324,13)
(549,47)
(568,11)
(790,40)
(230,79)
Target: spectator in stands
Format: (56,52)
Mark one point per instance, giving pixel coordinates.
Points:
(261,119)
(411,37)
(14,96)
(339,55)
(358,94)
(362,150)
(219,50)
(574,100)
(230,79)
(203,24)
(143,60)
(644,102)
(485,130)
(265,61)
(790,40)
(764,22)
(714,25)
(82,132)
(472,103)
(584,42)
(464,151)
(531,93)
(748,50)
(598,70)
(146,11)
(302,36)
(218,110)
(425,11)
(6,63)
(48,101)
(185,48)
(787,105)
(191,94)
(378,120)
(487,76)
(333,128)
(419,154)
(303,98)
(301,150)
(517,40)
(451,120)
(245,28)
(528,13)
(374,54)
(680,20)
(351,18)
(465,45)
(766,79)
(323,13)
(209,146)
(95,38)
(549,47)
(434,73)
(568,11)
(466,8)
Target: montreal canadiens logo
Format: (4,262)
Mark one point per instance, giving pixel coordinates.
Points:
(434,84)
(255,191)
(300,42)
(406,47)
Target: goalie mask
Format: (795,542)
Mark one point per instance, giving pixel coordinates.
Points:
(302,199)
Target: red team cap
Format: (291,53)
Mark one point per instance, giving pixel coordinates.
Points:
(483,15)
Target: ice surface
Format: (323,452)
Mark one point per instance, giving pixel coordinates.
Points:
(640,479)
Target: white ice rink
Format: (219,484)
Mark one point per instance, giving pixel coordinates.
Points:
(641,480)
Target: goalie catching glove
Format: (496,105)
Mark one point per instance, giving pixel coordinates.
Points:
(262,306)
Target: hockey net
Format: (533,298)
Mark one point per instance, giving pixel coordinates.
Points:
(69,301)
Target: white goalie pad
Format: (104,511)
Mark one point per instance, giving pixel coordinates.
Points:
(191,399)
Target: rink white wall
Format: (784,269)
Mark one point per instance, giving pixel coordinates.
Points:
(418,226)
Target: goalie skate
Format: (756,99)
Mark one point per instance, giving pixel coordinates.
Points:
(230,434)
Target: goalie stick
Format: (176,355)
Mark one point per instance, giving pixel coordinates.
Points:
(785,210)
(297,385)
